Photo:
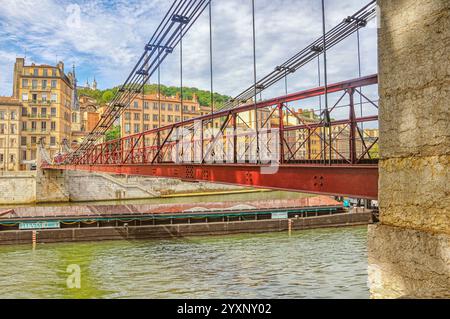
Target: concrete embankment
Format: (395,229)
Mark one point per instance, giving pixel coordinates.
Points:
(19,188)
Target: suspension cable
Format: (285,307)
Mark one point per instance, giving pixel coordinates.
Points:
(322,151)
(211,57)
(360,74)
(255,80)
(327,115)
(159,91)
(181,83)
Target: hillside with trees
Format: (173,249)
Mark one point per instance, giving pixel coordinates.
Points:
(204,96)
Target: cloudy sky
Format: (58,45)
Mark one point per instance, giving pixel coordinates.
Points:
(106,38)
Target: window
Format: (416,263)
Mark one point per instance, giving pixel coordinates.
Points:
(53,72)
(53,126)
(146,105)
(146,117)
(25,97)
(53,111)
(44,112)
(177,119)
(54,98)
(45,72)
(137,128)
(25,83)
(170,107)
(2,115)
(170,118)
(43,126)
(163,106)
(23,140)
(146,127)
(193,108)
(127,128)
(13,115)
(24,126)
(137,116)
(155,117)
(74,117)
(2,128)
(127,116)
(52,140)
(13,128)
(136,104)
(44,97)
(53,84)
(34,98)
(24,111)
(177,107)
(34,112)
(155,106)
(185,108)
(24,155)
(33,126)
(36,72)
(155,126)
(44,83)
(34,84)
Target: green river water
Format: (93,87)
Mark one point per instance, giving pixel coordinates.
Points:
(324,263)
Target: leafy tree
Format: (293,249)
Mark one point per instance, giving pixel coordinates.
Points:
(113,133)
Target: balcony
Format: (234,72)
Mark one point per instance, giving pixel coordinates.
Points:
(39,116)
(39,88)
(39,102)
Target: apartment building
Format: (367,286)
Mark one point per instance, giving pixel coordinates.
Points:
(145,112)
(84,118)
(45,92)
(10,109)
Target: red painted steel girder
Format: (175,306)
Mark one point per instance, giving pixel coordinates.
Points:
(357,181)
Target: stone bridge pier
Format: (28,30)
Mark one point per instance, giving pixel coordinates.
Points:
(409,250)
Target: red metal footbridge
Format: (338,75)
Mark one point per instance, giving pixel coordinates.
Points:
(291,142)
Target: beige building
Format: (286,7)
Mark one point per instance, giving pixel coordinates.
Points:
(144,113)
(84,118)
(10,150)
(46,94)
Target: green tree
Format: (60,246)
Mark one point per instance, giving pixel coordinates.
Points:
(113,133)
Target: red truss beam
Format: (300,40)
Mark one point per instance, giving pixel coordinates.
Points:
(358,181)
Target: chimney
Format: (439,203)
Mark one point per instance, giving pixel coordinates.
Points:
(18,71)
(61,66)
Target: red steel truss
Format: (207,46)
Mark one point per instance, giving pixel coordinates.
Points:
(283,149)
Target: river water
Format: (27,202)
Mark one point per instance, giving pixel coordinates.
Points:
(324,263)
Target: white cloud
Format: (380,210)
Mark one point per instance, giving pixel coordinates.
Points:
(111,36)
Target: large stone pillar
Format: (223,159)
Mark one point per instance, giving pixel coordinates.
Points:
(409,250)
(51,185)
